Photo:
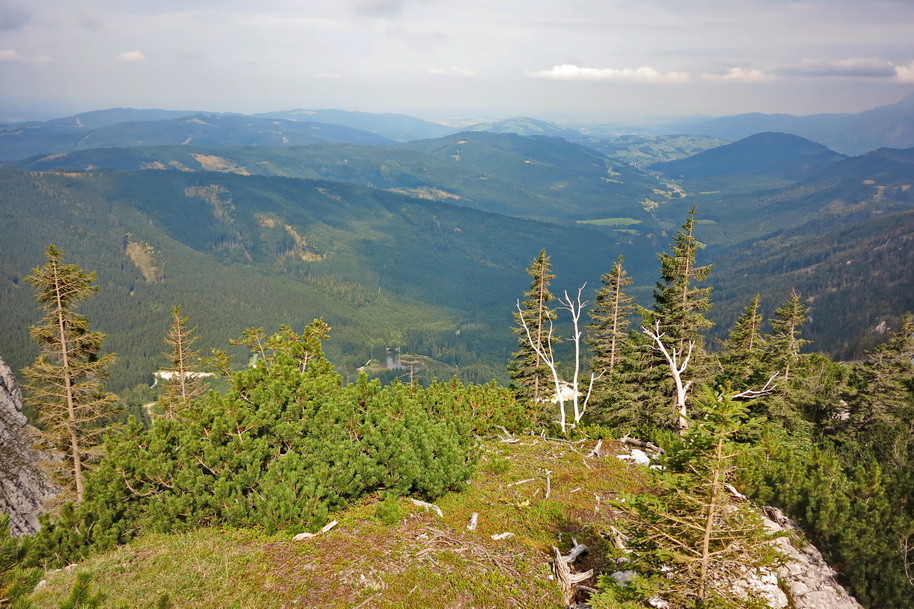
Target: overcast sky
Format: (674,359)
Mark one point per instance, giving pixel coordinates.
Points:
(568,60)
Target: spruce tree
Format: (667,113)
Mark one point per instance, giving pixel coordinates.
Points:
(65,381)
(678,316)
(609,325)
(691,544)
(784,342)
(741,360)
(680,306)
(185,384)
(530,377)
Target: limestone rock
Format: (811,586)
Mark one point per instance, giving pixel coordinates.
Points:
(808,580)
(24,487)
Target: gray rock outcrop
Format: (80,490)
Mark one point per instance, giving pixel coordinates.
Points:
(807,580)
(24,487)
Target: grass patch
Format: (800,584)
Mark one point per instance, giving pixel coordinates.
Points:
(390,554)
(611,221)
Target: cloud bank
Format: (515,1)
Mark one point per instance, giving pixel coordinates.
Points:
(643,74)
(905,74)
(740,75)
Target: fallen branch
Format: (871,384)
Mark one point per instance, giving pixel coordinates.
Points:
(428,506)
(735,492)
(503,561)
(619,539)
(595,451)
(641,444)
(750,394)
(326,529)
(561,565)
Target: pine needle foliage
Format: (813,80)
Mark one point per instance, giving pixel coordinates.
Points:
(679,305)
(882,406)
(16,580)
(784,343)
(610,319)
(65,381)
(678,315)
(185,383)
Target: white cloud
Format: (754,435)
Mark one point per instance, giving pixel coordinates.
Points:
(905,74)
(130,56)
(453,70)
(13,55)
(569,71)
(738,74)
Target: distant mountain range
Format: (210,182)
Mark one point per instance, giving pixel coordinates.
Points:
(197,129)
(846,243)
(530,126)
(381,268)
(397,127)
(546,178)
(889,126)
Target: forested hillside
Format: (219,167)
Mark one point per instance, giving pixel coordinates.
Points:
(384,269)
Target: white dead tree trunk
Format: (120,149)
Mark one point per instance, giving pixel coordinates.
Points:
(677,367)
(574,307)
(546,354)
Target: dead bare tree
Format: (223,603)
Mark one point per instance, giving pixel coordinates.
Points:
(546,354)
(678,366)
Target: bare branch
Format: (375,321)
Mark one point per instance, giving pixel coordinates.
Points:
(750,394)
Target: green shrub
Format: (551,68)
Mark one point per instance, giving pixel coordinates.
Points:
(288,445)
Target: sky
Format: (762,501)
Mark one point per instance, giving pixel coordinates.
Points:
(571,61)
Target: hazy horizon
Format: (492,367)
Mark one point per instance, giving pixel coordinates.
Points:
(612,61)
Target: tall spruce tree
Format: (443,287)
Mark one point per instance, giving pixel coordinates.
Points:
(610,319)
(741,360)
(65,381)
(784,342)
(185,383)
(679,305)
(678,317)
(530,377)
